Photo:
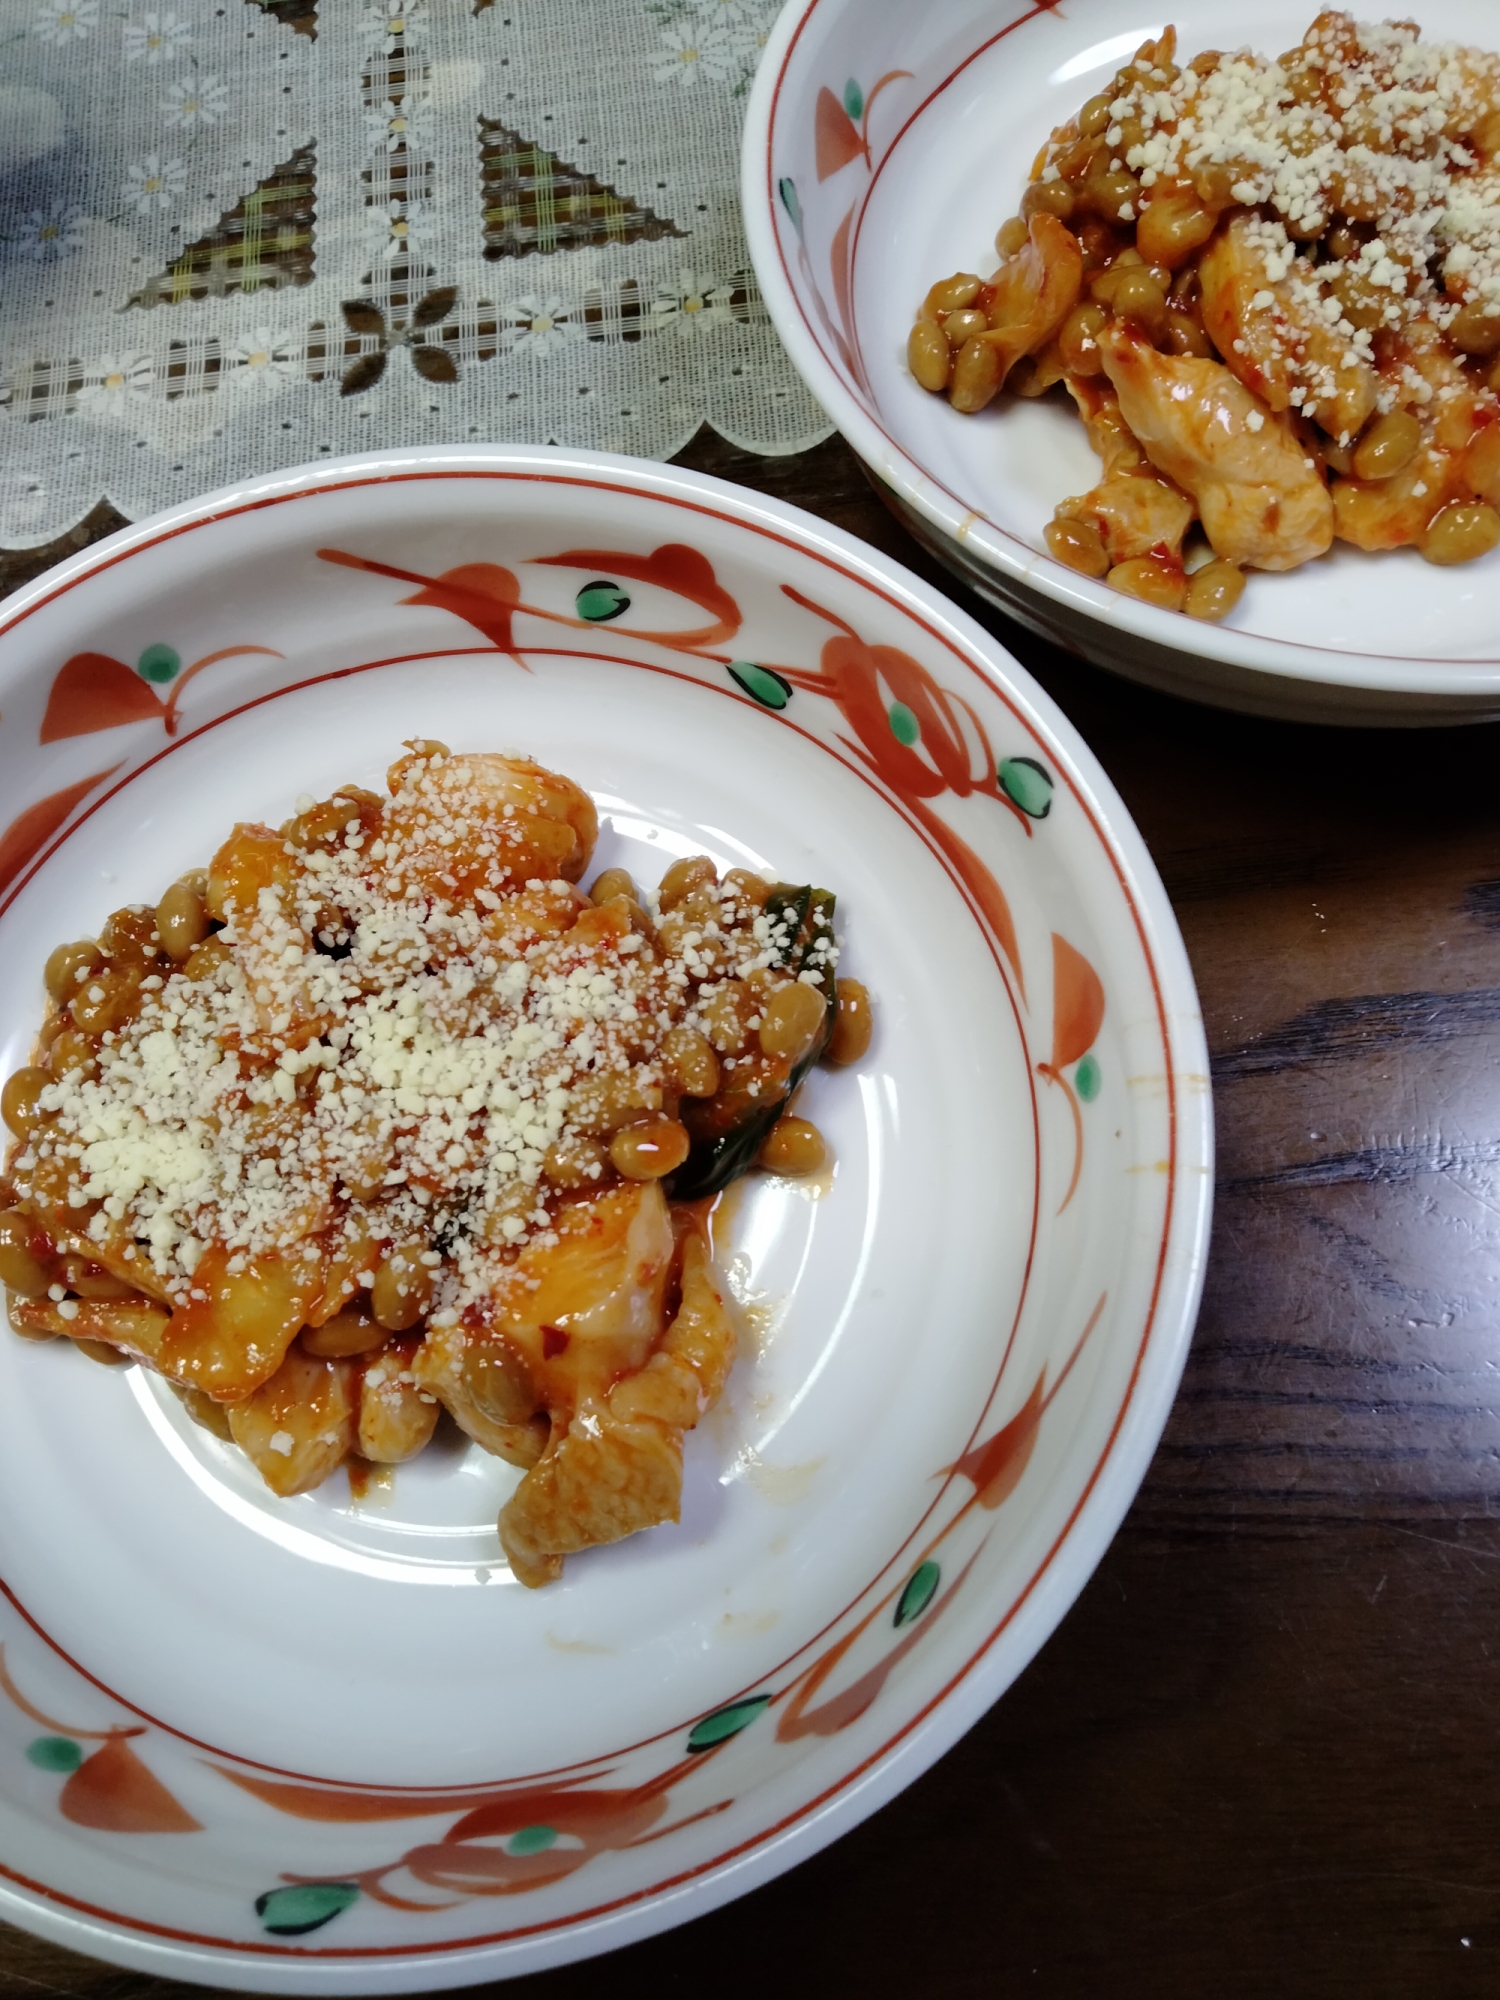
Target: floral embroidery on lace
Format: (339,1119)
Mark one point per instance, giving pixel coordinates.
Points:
(239,234)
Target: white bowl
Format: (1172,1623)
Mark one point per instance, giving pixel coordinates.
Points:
(851,219)
(304,1746)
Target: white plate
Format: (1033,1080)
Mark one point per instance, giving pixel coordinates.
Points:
(312,1746)
(851,220)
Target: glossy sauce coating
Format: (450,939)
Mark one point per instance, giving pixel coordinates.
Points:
(1272,341)
(379,1301)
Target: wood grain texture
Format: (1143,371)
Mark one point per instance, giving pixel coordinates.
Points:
(1262,1754)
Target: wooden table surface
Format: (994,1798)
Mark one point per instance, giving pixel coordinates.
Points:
(1261,1755)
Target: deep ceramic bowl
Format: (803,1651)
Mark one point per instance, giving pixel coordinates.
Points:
(883,147)
(315,1746)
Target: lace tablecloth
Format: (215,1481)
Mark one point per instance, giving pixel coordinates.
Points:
(239,234)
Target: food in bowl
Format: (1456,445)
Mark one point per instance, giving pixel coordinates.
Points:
(1272,289)
(381,1115)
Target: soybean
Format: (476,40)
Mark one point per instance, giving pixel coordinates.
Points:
(1173,226)
(647,1151)
(794,1146)
(1079,339)
(1111,196)
(691,1062)
(1185,335)
(613,882)
(852,1025)
(1476,329)
(744,886)
(1137,296)
(976,375)
(1048,198)
(683,877)
(181,921)
(70,964)
(952,294)
(1153,582)
(793,1020)
(20,1101)
(1388,446)
(69,1051)
(1461,533)
(21,1270)
(130,935)
(1094,118)
(727,1013)
(1078,544)
(961,326)
(106,1002)
(1214,591)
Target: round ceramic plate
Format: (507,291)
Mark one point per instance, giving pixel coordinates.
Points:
(330,1745)
(883,148)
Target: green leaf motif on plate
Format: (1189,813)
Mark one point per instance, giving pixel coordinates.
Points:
(762,684)
(532,1840)
(54,1753)
(787,188)
(920,1590)
(304,1906)
(904,725)
(854,99)
(159,663)
(1027,784)
(727,1722)
(1087,1078)
(600,601)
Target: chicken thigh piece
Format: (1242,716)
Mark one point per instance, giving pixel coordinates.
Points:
(615,1465)
(1260,497)
(1273,336)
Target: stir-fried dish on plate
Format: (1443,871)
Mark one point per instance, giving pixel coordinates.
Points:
(382,1116)
(1272,289)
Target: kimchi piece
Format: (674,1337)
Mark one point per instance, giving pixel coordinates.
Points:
(1271,288)
(381,1115)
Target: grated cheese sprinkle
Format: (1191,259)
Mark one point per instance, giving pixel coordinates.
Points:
(386,1045)
(1364,122)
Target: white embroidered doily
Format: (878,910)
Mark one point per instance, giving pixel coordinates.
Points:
(238,234)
